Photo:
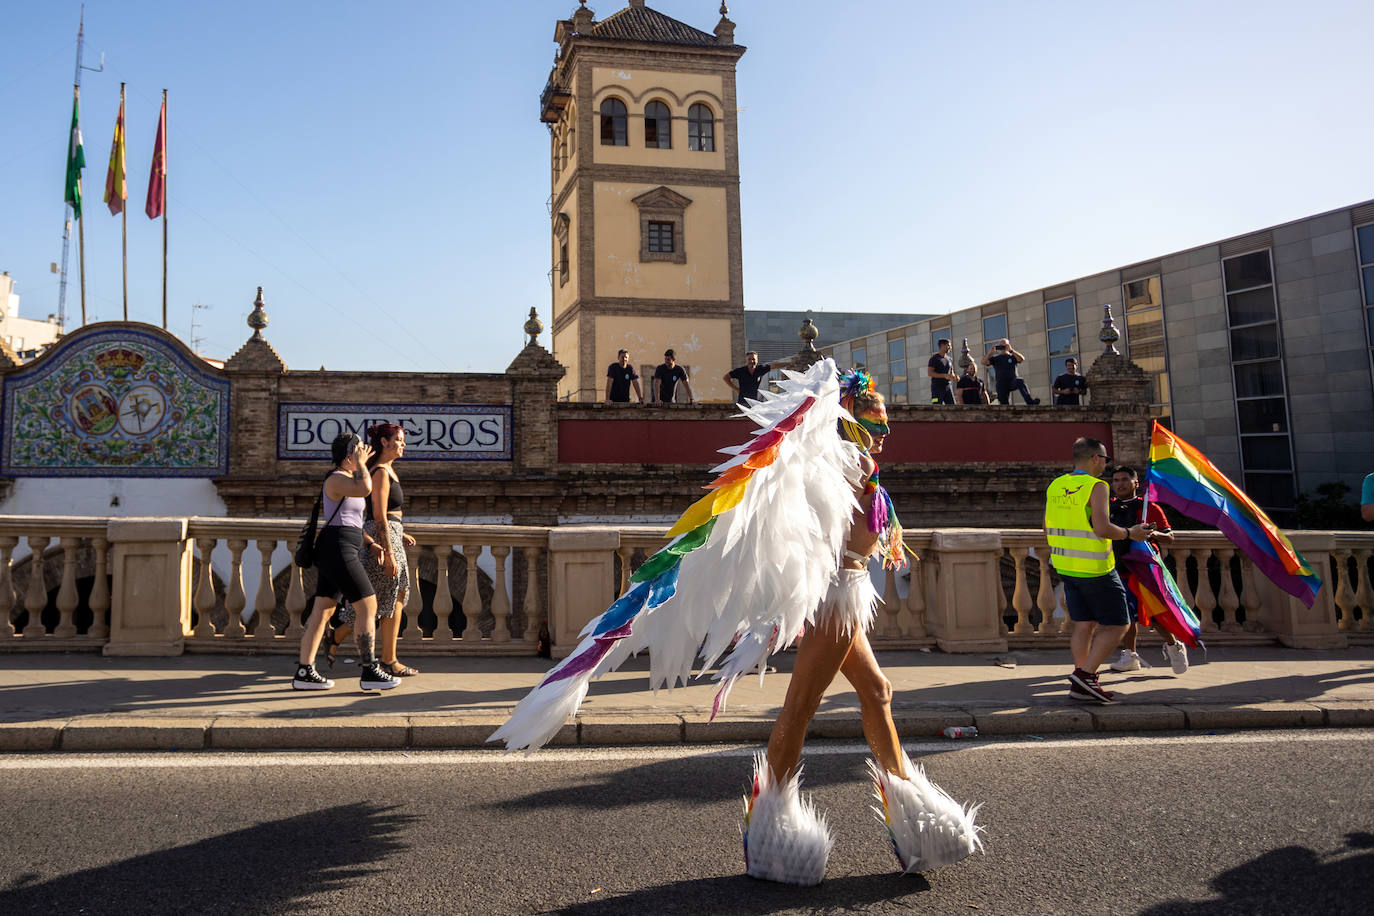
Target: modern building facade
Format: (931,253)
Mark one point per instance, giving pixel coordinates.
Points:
(773,333)
(1260,347)
(645,216)
(25,337)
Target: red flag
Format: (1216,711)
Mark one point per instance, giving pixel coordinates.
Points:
(157,175)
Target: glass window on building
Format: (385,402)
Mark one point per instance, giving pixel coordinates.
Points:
(859,356)
(701,128)
(994,328)
(937,335)
(1364,235)
(896,369)
(614,123)
(658,131)
(1145,344)
(1061,327)
(1266,450)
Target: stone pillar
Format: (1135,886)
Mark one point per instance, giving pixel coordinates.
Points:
(1295,623)
(150,610)
(581,581)
(534,376)
(1116,382)
(966,615)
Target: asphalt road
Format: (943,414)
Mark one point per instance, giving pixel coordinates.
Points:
(1257,822)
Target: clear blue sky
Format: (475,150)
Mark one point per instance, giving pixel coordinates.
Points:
(381,170)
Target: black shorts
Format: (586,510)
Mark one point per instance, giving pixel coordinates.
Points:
(1099,599)
(339,563)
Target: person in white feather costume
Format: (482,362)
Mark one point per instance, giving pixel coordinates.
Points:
(727,581)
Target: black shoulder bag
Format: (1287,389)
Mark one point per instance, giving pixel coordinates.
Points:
(305,545)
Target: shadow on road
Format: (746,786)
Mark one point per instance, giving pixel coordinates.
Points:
(260,869)
(741,894)
(1293,879)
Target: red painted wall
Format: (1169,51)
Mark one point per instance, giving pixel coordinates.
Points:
(667,440)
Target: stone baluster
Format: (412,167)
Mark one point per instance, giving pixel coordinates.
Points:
(1020,593)
(265,602)
(625,554)
(1227,600)
(1185,588)
(533,615)
(1344,594)
(412,635)
(1250,597)
(916,599)
(892,604)
(67,596)
(443,594)
(1364,594)
(500,601)
(7,597)
(1045,598)
(472,597)
(1206,599)
(295,603)
(36,598)
(235,600)
(205,590)
(99,600)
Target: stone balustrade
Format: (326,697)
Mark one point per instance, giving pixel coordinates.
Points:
(131,586)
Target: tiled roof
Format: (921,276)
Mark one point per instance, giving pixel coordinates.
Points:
(639,23)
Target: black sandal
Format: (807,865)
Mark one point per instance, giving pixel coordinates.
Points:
(399,669)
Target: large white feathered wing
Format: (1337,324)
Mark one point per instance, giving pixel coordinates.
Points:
(748,565)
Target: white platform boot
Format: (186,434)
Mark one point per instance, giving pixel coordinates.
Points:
(927,827)
(785,838)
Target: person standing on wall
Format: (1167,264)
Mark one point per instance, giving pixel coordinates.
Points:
(972,389)
(666,377)
(745,380)
(1080,533)
(1070,386)
(339,568)
(940,369)
(1003,358)
(620,378)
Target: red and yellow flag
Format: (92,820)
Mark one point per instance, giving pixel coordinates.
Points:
(116,180)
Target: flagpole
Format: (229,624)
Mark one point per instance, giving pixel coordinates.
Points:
(164,215)
(81,256)
(124,212)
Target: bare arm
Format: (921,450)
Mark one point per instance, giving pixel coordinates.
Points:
(1367,512)
(730,380)
(688,385)
(608,390)
(381,490)
(639,393)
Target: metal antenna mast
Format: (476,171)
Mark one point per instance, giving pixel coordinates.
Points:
(197,340)
(67,222)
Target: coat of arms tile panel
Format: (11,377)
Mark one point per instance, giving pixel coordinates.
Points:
(115,403)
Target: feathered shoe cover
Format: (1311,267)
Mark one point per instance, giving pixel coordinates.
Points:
(927,827)
(785,838)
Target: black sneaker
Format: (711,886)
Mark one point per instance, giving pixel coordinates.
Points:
(307,678)
(374,678)
(1088,687)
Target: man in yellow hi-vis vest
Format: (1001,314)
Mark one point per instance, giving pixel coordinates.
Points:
(1080,534)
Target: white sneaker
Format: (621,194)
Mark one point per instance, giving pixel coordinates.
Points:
(1177,653)
(1126,661)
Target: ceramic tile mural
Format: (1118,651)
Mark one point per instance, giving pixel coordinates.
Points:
(115,403)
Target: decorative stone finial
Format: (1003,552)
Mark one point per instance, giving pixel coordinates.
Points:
(964,359)
(257,319)
(582,17)
(533,326)
(807,356)
(1109,335)
(724,10)
(725,29)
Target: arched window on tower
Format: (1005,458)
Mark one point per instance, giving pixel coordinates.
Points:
(658,131)
(701,128)
(613,129)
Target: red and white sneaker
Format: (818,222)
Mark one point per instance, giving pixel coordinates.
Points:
(1084,686)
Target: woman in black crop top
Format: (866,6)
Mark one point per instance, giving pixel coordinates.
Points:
(388,573)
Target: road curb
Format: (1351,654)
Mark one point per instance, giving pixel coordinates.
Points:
(602,729)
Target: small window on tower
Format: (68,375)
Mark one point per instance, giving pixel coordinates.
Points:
(661,237)
(563,264)
(613,123)
(701,128)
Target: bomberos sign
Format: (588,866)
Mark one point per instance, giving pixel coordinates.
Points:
(456,432)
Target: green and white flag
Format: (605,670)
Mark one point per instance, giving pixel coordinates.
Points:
(76,158)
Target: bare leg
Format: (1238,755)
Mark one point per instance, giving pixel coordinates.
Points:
(388,632)
(1104,642)
(1079,641)
(818,660)
(365,629)
(314,629)
(861,669)
(1129,639)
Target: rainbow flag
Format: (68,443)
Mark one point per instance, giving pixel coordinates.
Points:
(1157,594)
(1181,476)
